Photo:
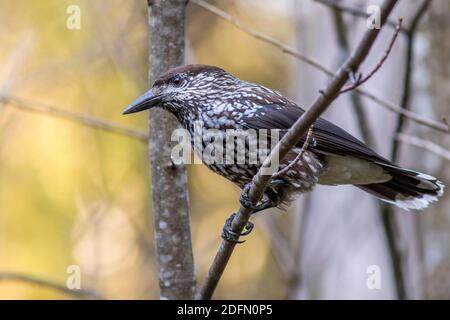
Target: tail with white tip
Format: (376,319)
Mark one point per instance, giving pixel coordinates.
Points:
(407,189)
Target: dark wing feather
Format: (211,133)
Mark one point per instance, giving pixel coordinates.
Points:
(330,139)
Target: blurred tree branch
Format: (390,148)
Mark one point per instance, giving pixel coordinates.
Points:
(387,212)
(16,276)
(169,181)
(437,125)
(338,6)
(388,224)
(424,144)
(79,118)
(358,105)
(409,59)
(281,247)
(8,74)
(287,249)
(294,134)
(358,80)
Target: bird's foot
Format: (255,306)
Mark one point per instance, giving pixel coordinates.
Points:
(231,236)
(245,201)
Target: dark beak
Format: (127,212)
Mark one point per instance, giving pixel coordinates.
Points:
(144,102)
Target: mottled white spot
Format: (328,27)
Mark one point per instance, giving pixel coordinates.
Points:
(162,224)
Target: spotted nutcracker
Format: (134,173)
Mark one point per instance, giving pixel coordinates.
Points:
(218,100)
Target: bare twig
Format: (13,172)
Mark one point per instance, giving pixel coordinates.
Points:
(396,256)
(261,36)
(80,293)
(79,118)
(437,125)
(424,144)
(286,250)
(295,285)
(387,212)
(9,74)
(357,104)
(280,245)
(299,128)
(360,80)
(409,59)
(299,155)
(353,11)
(362,122)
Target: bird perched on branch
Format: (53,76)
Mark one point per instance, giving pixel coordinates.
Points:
(217,100)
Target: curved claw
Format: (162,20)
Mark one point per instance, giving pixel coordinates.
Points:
(247,203)
(248,228)
(231,236)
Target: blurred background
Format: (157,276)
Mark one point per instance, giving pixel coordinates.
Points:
(74,194)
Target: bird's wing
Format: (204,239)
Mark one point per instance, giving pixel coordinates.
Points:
(329,138)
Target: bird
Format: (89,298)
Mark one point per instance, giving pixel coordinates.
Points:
(208,96)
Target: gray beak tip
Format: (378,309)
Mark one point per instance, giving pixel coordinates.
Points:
(132,108)
(127,110)
(144,102)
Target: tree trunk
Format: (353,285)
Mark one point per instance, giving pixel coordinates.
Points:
(169,181)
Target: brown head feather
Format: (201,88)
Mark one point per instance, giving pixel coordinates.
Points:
(190,70)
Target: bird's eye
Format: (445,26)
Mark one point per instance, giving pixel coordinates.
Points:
(177,81)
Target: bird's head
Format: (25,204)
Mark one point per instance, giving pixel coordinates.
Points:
(181,87)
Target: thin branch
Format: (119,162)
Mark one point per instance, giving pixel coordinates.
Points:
(424,144)
(397,258)
(299,225)
(357,104)
(360,80)
(80,293)
(281,248)
(294,134)
(299,155)
(8,74)
(387,212)
(261,36)
(387,224)
(79,118)
(437,125)
(286,250)
(407,78)
(335,5)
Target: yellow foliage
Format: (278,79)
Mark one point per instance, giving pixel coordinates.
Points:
(70,194)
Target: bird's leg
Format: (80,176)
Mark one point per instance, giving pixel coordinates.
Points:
(265,203)
(230,235)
